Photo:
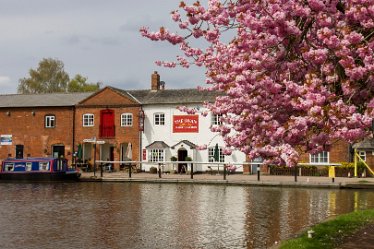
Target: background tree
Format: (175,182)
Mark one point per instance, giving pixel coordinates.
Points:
(50,77)
(296,75)
(79,84)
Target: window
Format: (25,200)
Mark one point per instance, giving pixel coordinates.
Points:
(156,155)
(44,166)
(50,121)
(362,154)
(28,166)
(9,167)
(126,119)
(159,119)
(211,155)
(216,119)
(88,120)
(322,157)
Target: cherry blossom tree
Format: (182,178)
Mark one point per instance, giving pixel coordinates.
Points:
(295,75)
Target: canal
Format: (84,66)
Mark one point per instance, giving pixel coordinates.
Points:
(138,215)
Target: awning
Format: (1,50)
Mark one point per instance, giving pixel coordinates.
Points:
(157,145)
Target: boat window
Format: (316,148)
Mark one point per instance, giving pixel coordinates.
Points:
(9,167)
(43,166)
(28,166)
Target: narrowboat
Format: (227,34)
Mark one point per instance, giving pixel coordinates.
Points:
(37,169)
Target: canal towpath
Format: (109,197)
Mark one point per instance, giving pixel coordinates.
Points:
(234,179)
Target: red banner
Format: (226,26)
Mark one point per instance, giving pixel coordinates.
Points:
(185,123)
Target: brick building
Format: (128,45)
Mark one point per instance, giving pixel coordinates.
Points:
(61,124)
(38,125)
(112,116)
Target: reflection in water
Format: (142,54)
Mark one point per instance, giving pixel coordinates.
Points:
(134,215)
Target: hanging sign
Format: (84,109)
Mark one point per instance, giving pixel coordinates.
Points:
(185,123)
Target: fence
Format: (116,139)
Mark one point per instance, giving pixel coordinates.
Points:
(190,167)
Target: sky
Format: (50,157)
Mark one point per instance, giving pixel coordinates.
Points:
(95,38)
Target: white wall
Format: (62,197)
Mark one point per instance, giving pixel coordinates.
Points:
(165,133)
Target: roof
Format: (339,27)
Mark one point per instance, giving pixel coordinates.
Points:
(173,96)
(186,142)
(117,90)
(41,100)
(365,144)
(144,97)
(157,145)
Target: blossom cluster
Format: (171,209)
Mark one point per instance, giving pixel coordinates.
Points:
(296,75)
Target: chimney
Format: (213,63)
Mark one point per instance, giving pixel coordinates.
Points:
(155,81)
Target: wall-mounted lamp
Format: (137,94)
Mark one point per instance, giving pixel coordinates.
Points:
(33,113)
(8,113)
(141,117)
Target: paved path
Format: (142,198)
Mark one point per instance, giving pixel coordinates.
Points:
(235,179)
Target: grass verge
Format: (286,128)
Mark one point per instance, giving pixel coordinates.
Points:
(329,234)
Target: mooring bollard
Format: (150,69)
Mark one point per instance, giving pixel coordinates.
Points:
(191,170)
(258,172)
(159,170)
(101,169)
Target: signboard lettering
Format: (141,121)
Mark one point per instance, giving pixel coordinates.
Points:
(185,123)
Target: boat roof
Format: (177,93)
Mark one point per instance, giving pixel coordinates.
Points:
(43,159)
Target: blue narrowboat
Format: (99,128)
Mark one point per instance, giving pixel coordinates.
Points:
(37,169)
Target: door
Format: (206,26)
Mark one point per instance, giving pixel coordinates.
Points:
(182,154)
(107,127)
(19,151)
(58,151)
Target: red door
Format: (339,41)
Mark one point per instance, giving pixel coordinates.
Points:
(107,127)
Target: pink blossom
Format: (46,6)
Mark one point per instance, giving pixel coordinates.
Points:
(293,74)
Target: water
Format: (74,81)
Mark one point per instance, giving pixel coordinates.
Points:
(137,215)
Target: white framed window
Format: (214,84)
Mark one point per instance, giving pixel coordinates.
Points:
(88,119)
(159,118)
(211,155)
(50,121)
(362,154)
(322,157)
(216,119)
(126,119)
(156,155)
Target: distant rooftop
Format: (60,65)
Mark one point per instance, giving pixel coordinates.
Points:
(42,100)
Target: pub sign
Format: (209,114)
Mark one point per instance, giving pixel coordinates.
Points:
(185,123)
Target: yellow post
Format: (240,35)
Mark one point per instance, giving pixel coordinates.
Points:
(332,173)
(355,163)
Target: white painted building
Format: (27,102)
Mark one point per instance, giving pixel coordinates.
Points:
(169,132)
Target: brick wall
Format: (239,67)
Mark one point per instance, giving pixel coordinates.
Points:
(107,99)
(339,152)
(27,127)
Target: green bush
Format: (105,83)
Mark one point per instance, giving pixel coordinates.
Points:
(153,170)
